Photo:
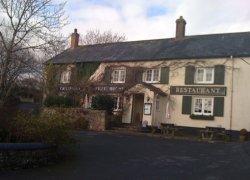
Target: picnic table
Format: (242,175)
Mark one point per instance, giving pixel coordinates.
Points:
(168,129)
(210,132)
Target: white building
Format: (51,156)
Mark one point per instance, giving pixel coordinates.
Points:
(191,81)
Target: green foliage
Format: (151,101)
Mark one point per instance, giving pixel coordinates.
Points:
(52,128)
(58,101)
(226,138)
(84,71)
(201,117)
(103,102)
(52,74)
(116,121)
(6,116)
(80,123)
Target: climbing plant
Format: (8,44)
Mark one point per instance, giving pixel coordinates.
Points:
(50,74)
(85,70)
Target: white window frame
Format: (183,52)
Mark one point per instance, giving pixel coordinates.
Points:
(152,75)
(119,80)
(205,71)
(118,101)
(65,77)
(203,106)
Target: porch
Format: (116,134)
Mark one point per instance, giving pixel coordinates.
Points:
(144,105)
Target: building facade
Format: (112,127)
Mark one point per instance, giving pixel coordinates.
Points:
(191,81)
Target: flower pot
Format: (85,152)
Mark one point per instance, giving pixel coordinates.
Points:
(243,135)
(243,138)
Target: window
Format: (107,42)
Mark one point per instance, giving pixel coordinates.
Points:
(204,75)
(118,75)
(203,106)
(152,75)
(118,103)
(65,76)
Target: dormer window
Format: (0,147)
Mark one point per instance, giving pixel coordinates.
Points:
(118,75)
(65,76)
(152,76)
(204,75)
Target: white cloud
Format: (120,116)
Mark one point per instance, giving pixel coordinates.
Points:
(129,17)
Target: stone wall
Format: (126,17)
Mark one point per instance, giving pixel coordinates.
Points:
(96,119)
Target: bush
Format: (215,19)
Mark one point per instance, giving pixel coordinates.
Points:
(80,123)
(6,117)
(116,121)
(58,101)
(103,102)
(47,128)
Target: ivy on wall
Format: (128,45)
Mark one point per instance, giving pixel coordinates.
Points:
(85,70)
(51,78)
(80,74)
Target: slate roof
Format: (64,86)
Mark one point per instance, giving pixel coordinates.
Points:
(200,46)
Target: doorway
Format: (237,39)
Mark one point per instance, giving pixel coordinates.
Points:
(138,103)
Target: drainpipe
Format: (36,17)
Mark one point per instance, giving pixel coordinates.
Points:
(153,109)
(232,91)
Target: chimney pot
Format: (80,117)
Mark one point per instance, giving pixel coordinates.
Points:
(74,39)
(180,28)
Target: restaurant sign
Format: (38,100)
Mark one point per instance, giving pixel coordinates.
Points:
(108,88)
(198,90)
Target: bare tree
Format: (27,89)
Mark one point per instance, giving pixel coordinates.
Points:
(25,26)
(98,37)
(56,45)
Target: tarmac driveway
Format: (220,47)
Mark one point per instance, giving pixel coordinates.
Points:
(117,156)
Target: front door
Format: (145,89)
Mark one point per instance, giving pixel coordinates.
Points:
(138,102)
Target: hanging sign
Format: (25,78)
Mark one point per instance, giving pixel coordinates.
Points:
(198,90)
(147,108)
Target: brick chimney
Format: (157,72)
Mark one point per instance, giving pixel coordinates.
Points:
(74,39)
(180,28)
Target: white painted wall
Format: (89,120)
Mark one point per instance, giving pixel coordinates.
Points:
(150,94)
(127,109)
(160,114)
(177,78)
(241,94)
(241,99)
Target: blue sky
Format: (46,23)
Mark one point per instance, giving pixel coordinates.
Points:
(150,19)
(156,10)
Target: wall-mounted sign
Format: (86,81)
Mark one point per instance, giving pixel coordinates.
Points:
(108,88)
(198,90)
(66,88)
(147,108)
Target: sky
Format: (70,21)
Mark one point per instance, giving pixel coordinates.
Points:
(154,19)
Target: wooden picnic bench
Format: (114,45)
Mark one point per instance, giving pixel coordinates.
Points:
(209,133)
(168,129)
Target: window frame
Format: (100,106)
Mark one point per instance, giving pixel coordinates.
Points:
(119,70)
(203,106)
(152,75)
(204,80)
(118,103)
(65,77)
